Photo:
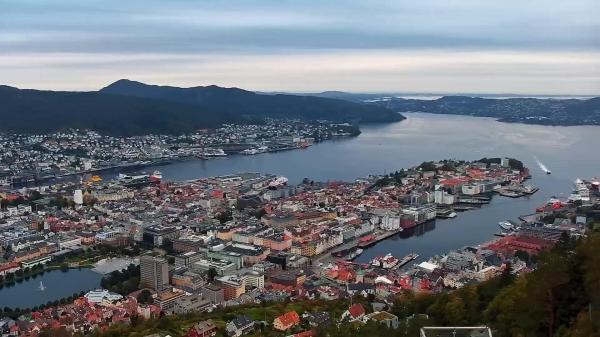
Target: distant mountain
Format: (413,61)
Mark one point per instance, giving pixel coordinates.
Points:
(133,108)
(251,105)
(347,96)
(36,111)
(371,97)
(522,110)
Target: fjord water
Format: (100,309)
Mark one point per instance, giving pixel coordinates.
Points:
(569,152)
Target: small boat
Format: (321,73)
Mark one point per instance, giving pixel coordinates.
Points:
(506,225)
(386,262)
(140,179)
(351,256)
(407,259)
(252,151)
(445,214)
(542,166)
(279,181)
(530,189)
(156,176)
(213,152)
(354,254)
(41,286)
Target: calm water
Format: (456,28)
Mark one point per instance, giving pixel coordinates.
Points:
(570,152)
(58,284)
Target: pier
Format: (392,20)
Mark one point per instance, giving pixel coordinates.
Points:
(377,238)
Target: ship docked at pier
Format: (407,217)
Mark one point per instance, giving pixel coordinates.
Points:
(390,262)
(348,254)
(141,179)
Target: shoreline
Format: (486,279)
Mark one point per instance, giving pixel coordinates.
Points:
(156,162)
(502,119)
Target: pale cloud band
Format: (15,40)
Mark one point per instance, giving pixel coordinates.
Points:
(401,46)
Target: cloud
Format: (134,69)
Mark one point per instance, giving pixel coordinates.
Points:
(219,40)
(414,70)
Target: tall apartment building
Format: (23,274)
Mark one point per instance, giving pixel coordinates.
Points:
(154,272)
(233,286)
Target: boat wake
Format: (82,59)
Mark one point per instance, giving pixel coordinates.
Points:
(542,166)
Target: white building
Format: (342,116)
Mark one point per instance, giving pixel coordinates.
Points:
(102,296)
(444,198)
(78,197)
(390,222)
(471,189)
(23,209)
(254,280)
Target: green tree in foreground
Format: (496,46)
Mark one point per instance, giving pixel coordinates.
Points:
(145,297)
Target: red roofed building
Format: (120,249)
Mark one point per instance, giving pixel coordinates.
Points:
(476,173)
(346,276)
(307,333)
(14,330)
(510,244)
(10,267)
(405,282)
(454,183)
(217,194)
(356,311)
(12,197)
(203,329)
(366,238)
(286,321)
(425,285)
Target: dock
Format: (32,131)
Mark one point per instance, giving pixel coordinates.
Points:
(445,213)
(530,217)
(377,238)
(510,194)
(405,260)
(517,191)
(473,201)
(463,208)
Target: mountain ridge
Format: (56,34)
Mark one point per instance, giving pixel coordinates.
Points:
(549,111)
(126,108)
(251,104)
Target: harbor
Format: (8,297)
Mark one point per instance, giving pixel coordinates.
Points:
(517,191)
(372,239)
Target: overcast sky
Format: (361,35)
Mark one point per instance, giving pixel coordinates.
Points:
(449,46)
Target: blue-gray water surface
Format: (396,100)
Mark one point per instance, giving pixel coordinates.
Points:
(57,284)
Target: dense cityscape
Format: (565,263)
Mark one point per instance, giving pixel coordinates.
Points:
(299,169)
(180,248)
(25,158)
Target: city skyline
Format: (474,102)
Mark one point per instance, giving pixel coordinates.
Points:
(431,47)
